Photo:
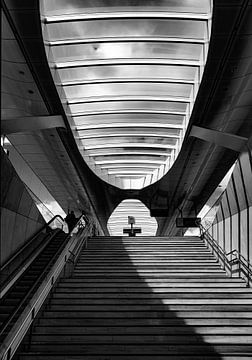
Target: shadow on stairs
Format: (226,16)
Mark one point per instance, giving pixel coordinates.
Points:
(144,298)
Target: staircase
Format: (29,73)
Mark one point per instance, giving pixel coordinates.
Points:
(144,298)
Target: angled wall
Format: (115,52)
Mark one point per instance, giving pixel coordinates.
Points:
(232,226)
(20,218)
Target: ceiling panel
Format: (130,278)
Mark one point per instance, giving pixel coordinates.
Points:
(128,74)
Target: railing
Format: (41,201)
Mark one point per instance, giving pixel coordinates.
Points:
(23,257)
(244,268)
(233,262)
(63,259)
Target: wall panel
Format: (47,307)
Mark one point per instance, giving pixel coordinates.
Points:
(235,231)
(20,218)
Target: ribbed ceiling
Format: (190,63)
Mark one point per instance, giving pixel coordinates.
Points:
(127,73)
(119,219)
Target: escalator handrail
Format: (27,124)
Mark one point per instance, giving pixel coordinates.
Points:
(9,320)
(50,278)
(21,268)
(53,259)
(26,245)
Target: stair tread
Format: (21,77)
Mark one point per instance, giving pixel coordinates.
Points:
(145,298)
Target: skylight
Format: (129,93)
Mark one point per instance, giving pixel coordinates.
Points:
(127,75)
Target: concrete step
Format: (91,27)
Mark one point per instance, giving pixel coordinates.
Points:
(153,301)
(150,266)
(104,291)
(113,307)
(164,275)
(137,299)
(48,322)
(47,356)
(194,347)
(149,295)
(122,329)
(77,340)
(184,313)
(182,282)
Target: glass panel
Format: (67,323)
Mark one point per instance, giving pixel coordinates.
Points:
(235,235)
(58,7)
(120,28)
(228,234)
(127,50)
(239,187)
(129,119)
(225,205)
(221,233)
(232,198)
(129,105)
(219,215)
(132,89)
(132,131)
(120,159)
(187,73)
(128,139)
(247,174)
(118,152)
(244,233)
(250,233)
(129,71)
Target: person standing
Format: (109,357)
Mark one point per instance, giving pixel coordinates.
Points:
(71,221)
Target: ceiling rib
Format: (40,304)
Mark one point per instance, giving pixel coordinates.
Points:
(122,61)
(126,39)
(125,15)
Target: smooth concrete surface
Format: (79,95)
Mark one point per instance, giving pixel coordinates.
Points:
(20,218)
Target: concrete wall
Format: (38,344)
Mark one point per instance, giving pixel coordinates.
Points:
(232,226)
(20,218)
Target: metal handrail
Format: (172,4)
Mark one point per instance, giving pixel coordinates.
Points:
(24,264)
(240,256)
(244,265)
(26,245)
(22,325)
(31,289)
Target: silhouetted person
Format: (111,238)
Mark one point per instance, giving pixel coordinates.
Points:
(71,221)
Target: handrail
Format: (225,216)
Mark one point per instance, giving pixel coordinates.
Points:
(21,326)
(30,291)
(24,264)
(240,256)
(22,248)
(244,266)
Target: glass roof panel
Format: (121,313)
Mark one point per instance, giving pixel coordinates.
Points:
(110,120)
(128,131)
(131,89)
(59,7)
(127,73)
(144,160)
(130,139)
(120,28)
(181,72)
(120,106)
(127,50)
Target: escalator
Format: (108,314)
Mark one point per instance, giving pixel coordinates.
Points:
(17,298)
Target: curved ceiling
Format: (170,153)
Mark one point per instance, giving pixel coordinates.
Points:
(127,76)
